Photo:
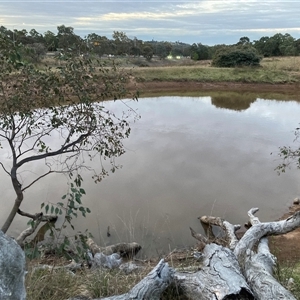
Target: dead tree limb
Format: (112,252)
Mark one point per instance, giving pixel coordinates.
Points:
(127,250)
(30,230)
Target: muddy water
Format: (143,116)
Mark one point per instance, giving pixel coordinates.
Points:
(186,157)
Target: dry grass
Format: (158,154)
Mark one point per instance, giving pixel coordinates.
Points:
(290,63)
(61,285)
(274,70)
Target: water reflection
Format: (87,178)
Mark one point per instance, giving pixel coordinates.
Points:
(185,158)
(234,101)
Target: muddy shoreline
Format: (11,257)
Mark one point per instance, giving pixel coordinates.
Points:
(179,86)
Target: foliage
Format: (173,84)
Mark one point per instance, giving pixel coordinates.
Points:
(200,52)
(56,242)
(290,156)
(147,52)
(235,57)
(121,44)
(277,45)
(53,116)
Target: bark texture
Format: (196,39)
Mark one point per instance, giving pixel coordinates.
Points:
(127,250)
(219,276)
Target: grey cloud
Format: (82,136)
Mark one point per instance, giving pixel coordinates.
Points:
(207,21)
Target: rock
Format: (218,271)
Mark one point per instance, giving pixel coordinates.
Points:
(129,267)
(12,266)
(297,201)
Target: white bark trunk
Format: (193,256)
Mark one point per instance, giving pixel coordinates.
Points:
(219,276)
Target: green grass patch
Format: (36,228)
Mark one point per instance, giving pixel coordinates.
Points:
(211,74)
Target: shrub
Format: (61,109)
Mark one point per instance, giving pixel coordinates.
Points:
(229,57)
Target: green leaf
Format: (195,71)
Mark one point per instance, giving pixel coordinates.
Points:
(77,198)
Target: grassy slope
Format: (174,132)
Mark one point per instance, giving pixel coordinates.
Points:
(272,70)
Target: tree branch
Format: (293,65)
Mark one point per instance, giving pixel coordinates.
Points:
(37,179)
(49,154)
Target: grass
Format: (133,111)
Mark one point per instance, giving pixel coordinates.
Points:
(289,276)
(61,285)
(277,70)
(265,74)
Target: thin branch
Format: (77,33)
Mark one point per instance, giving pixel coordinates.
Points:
(1,164)
(37,179)
(54,153)
(28,215)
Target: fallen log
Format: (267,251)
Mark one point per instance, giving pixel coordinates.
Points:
(219,276)
(226,267)
(127,250)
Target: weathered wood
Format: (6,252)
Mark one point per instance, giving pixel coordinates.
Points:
(150,287)
(202,241)
(12,269)
(100,260)
(123,249)
(219,277)
(72,267)
(30,230)
(258,269)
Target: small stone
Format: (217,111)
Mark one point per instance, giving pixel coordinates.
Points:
(290,284)
(297,201)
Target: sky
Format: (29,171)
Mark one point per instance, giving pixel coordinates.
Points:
(207,22)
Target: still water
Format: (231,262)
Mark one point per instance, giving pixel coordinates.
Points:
(186,157)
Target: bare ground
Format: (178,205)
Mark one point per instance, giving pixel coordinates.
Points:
(158,87)
(286,247)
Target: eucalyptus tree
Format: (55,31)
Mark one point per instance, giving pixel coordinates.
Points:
(53,117)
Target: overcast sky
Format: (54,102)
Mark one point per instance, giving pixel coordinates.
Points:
(207,22)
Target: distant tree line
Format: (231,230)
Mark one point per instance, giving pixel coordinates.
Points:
(244,52)
(120,44)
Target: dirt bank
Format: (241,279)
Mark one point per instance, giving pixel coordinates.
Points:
(286,247)
(158,87)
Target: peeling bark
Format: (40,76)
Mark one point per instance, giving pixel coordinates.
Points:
(219,276)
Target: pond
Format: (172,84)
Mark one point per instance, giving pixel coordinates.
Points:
(186,157)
